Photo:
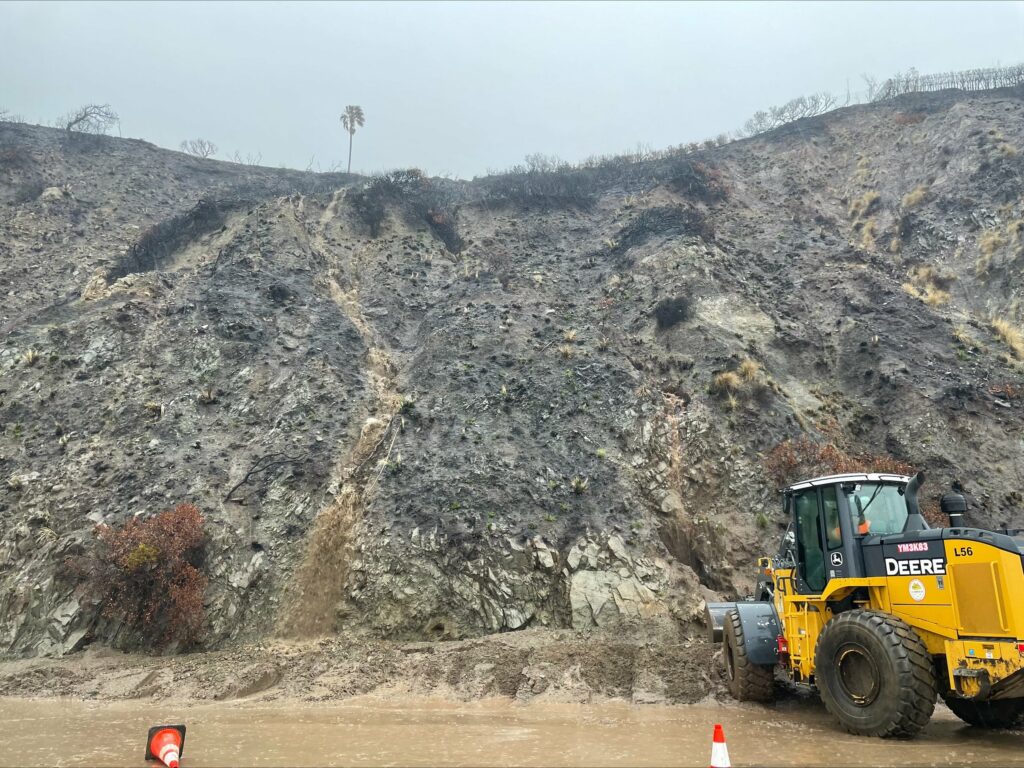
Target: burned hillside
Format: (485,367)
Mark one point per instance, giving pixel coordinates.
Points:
(429,409)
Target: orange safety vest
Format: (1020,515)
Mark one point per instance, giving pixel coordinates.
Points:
(862,529)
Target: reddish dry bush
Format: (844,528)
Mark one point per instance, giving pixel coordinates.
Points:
(699,180)
(1007,391)
(932,513)
(146,572)
(908,118)
(793,460)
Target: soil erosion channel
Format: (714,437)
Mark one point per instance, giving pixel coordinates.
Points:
(379,731)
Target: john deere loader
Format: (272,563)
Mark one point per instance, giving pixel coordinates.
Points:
(881,613)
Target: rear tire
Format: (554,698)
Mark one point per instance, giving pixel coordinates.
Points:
(1001,713)
(747,681)
(875,675)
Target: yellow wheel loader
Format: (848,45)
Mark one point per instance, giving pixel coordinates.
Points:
(880,613)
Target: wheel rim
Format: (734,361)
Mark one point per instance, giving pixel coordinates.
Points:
(730,670)
(857,674)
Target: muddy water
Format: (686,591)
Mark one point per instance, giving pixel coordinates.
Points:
(490,733)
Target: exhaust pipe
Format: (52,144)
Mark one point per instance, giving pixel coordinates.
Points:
(914,520)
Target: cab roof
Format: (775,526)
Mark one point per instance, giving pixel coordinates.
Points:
(852,477)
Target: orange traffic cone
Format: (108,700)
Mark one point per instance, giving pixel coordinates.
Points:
(166,743)
(719,752)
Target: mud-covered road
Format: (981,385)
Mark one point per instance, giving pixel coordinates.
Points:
(643,668)
(527,698)
(499,732)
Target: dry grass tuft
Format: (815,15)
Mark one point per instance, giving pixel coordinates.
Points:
(863,172)
(991,241)
(929,285)
(726,382)
(748,369)
(867,234)
(912,290)
(1015,229)
(916,197)
(963,336)
(1010,334)
(863,205)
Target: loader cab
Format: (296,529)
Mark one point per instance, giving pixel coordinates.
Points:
(830,518)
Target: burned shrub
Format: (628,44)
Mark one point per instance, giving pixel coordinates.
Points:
(164,238)
(697,180)
(671,312)
(443,225)
(395,185)
(525,187)
(147,574)
(415,194)
(370,210)
(663,221)
(15,158)
(29,191)
(280,294)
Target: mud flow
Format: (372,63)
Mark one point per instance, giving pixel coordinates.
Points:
(489,733)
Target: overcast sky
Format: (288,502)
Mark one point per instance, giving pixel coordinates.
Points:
(464,87)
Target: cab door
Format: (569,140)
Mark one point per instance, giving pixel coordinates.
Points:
(810,542)
(822,525)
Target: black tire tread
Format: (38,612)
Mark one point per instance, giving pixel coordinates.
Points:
(752,682)
(1005,713)
(915,706)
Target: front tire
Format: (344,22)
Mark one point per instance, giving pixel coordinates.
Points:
(747,681)
(1001,713)
(875,675)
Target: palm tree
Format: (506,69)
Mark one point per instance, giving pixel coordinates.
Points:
(352,118)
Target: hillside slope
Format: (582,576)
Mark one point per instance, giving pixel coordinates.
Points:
(506,415)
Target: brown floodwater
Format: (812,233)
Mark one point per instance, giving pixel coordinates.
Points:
(422,732)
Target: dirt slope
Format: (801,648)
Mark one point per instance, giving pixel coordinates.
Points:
(515,425)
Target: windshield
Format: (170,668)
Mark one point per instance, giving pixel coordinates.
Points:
(876,508)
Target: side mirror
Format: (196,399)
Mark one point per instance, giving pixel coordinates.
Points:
(763,562)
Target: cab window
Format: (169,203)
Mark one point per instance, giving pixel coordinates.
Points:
(830,503)
(808,537)
(877,508)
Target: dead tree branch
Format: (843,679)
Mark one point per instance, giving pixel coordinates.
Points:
(199,148)
(262,465)
(95,119)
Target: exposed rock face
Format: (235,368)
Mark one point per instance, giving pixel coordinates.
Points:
(391,437)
